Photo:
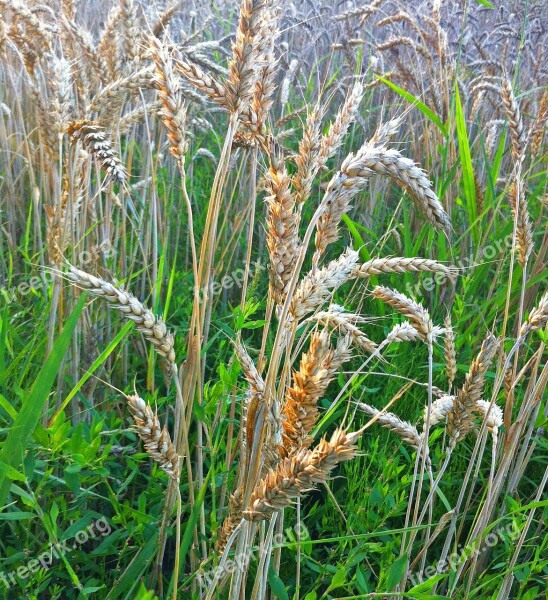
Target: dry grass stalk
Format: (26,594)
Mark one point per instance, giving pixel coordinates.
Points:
(415,312)
(403,429)
(173,113)
(538,317)
(299,473)
(316,370)
(152,327)
(336,316)
(461,415)
(96,142)
(156,438)
(378,266)
(513,112)
(316,287)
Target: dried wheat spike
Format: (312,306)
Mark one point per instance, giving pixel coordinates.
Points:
(201,80)
(246,51)
(538,317)
(173,111)
(405,430)
(316,287)
(306,158)
(369,160)
(378,266)
(537,131)
(439,410)
(385,132)
(96,142)
(524,229)
(316,370)
(403,332)
(107,47)
(513,112)
(152,327)
(345,321)
(141,79)
(495,418)
(299,473)
(415,312)
(449,351)
(33,26)
(156,438)
(231,521)
(333,139)
(130,32)
(461,415)
(164,18)
(281,229)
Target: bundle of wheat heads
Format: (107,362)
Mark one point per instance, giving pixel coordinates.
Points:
(307,338)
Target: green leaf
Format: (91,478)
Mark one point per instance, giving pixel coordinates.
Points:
(16,516)
(466,165)
(396,572)
(277,585)
(96,363)
(33,405)
(425,110)
(10,472)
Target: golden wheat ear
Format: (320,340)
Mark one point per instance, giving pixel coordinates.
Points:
(155,438)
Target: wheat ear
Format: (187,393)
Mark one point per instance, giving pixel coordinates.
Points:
(173,111)
(97,143)
(378,266)
(316,370)
(513,112)
(152,327)
(299,473)
(538,317)
(415,312)
(461,415)
(156,438)
(405,430)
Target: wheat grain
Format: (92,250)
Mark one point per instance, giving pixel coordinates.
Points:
(405,430)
